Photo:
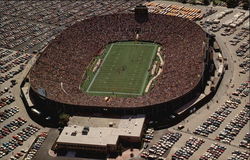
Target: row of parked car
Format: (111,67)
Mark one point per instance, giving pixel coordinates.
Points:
(5,52)
(245,143)
(61,13)
(17,156)
(216,119)
(239,37)
(190,147)
(228,31)
(235,125)
(6,100)
(16,31)
(239,155)
(214,22)
(40,42)
(245,65)
(11,127)
(36,146)
(213,152)
(7,113)
(158,149)
(242,90)
(243,49)
(5,90)
(15,63)
(17,140)
(209,12)
(11,74)
(11,57)
(149,135)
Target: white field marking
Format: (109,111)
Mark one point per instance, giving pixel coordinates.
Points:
(146,75)
(115,93)
(63,88)
(111,67)
(99,69)
(135,44)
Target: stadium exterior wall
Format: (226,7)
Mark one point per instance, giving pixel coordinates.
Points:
(51,107)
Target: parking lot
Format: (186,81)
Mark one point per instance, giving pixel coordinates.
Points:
(223,123)
(220,129)
(17,130)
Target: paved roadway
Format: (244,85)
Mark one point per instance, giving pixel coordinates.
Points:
(22,111)
(231,76)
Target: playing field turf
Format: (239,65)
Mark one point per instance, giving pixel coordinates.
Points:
(124,69)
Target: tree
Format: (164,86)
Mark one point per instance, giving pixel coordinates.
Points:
(246,4)
(63,119)
(183,1)
(131,155)
(232,3)
(206,2)
(192,2)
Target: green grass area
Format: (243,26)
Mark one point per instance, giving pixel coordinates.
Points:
(124,70)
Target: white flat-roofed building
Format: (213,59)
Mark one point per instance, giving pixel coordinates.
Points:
(102,139)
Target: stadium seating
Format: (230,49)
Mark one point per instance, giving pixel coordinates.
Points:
(66,58)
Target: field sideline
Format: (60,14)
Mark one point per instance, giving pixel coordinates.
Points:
(124,70)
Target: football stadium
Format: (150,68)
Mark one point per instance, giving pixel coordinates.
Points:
(123,63)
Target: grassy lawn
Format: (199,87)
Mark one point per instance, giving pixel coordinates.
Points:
(124,70)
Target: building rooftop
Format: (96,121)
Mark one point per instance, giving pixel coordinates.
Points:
(129,126)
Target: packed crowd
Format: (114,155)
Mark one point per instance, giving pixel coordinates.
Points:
(73,49)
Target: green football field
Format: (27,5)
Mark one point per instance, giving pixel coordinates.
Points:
(124,69)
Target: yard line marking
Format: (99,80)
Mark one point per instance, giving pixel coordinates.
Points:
(139,91)
(115,93)
(99,68)
(134,45)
